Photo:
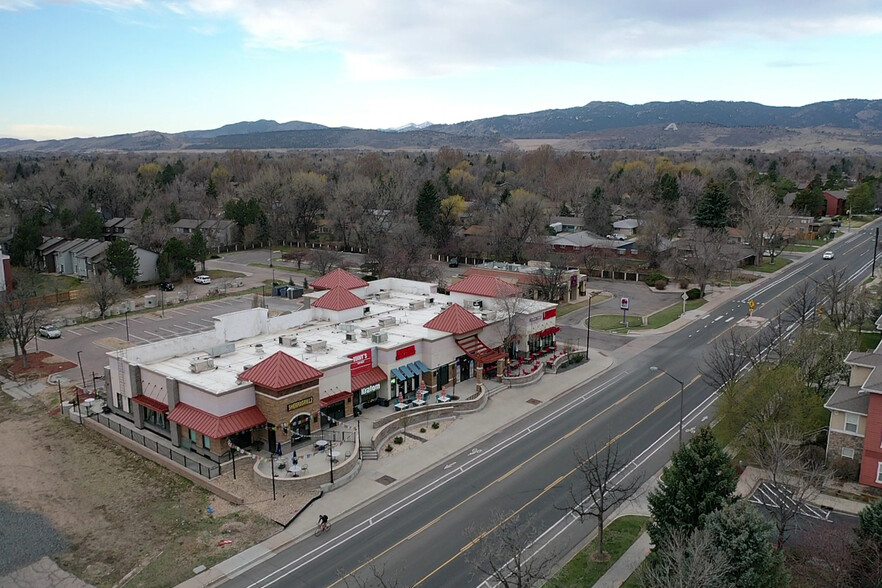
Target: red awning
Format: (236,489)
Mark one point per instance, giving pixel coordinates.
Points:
(370,377)
(477,350)
(216,427)
(553,330)
(150,403)
(335,398)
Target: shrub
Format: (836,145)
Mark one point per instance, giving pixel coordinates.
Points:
(577,358)
(398,440)
(684,284)
(435,425)
(661,284)
(654,277)
(388,448)
(422,429)
(693,293)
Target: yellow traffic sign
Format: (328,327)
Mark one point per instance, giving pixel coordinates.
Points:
(751,304)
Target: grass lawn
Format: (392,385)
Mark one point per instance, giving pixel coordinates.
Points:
(798,248)
(582,570)
(869,340)
(51,283)
(770,267)
(672,313)
(568,308)
(613,322)
(216,274)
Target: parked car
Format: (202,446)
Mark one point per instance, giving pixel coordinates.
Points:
(828,255)
(769,253)
(166,286)
(49,332)
(454,262)
(202,279)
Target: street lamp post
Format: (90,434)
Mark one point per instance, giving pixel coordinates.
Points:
(127,325)
(82,373)
(588,335)
(679,381)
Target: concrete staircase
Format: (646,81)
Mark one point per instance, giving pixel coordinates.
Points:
(368,453)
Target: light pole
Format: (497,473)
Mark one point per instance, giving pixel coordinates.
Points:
(82,373)
(679,381)
(588,335)
(127,325)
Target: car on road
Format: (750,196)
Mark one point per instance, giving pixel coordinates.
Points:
(166,286)
(49,332)
(828,255)
(454,262)
(202,279)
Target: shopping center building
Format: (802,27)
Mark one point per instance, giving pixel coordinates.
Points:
(354,345)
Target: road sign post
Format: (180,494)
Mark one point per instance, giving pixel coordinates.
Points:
(625,305)
(684,297)
(751,305)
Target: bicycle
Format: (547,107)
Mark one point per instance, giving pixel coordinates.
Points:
(321,528)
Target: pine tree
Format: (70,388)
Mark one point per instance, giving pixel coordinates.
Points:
(428,208)
(744,536)
(698,482)
(122,261)
(712,211)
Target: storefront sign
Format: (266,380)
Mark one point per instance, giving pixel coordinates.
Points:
(371,388)
(405,352)
(550,313)
(536,318)
(300,403)
(573,281)
(361,362)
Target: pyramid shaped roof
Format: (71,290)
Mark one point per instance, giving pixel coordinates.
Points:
(489,286)
(338,277)
(280,371)
(338,298)
(457,320)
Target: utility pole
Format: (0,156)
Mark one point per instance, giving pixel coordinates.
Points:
(875,247)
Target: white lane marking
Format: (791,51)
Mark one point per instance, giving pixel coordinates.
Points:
(731,318)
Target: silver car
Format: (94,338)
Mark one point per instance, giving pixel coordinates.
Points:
(49,332)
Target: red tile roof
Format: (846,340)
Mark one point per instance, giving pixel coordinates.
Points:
(339,298)
(334,398)
(457,320)
(280,371)
(338,277)
(489,286)
(372,376)
(150,403)
(216,427)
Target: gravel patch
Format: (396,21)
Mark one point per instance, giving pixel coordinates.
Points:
(25,537)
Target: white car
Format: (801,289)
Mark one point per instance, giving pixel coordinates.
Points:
(828,255)
(49,332)
(202,279)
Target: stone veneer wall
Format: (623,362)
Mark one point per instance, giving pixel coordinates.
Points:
(836,441)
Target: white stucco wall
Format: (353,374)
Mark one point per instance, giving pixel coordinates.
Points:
(217,405)
(336,379)
(153,385)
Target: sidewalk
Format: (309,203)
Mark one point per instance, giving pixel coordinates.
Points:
(503,408)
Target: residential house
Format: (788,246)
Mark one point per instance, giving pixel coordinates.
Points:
(626,227)
(121,228)
(856,416)
(566,224)
(835,202)
(5,275)
(88,257)
(46,253)
(217,232)
(185,227)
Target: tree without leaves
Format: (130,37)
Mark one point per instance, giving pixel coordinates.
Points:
(723,361)
(777,450)
(698,482)
(757,209)
(122,261)
(105,290)
(377,577)
(21,313)
(504,553)
(686,559)
(802,303)
(707,254)
(324,260)
(601,488)
(819,358)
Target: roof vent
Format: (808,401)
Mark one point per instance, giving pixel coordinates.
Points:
(258,348)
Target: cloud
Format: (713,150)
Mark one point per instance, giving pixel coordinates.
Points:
(382,39)
(42,132)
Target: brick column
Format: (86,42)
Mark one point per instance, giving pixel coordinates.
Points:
(171,387)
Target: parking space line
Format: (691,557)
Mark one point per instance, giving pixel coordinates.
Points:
(157,335)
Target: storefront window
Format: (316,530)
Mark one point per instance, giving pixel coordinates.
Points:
(206,442)
(192,436)
(157,419)
(443,375)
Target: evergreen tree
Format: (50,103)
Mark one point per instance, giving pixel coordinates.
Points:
(667,189)
(174,260)
(199,247)
(870,525)
(121,260)
(428,208)
(23,247)
(712,210)
(91,225)
(744,536)
(698,482)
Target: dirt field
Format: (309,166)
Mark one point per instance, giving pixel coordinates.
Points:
(119,513)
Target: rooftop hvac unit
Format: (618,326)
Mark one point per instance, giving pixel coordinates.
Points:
(478,304)
(381,337)
(488,315)
(388,321)
(316,346)
(246,367)
(222,349)
(258,348)
(288,340)
(197,366)
(350,337)
(417,304)
(430,301)
(369,331)
(383,295)
(348,328)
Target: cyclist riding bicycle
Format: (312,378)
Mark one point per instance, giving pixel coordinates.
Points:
(323,522)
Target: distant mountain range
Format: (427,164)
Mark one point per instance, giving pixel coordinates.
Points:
(825,126)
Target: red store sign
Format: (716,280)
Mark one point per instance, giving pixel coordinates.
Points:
(361,362)
(405,352)
(550,313)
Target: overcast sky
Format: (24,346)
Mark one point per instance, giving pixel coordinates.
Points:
(101,67)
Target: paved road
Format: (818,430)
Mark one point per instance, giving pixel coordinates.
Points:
(421,531)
